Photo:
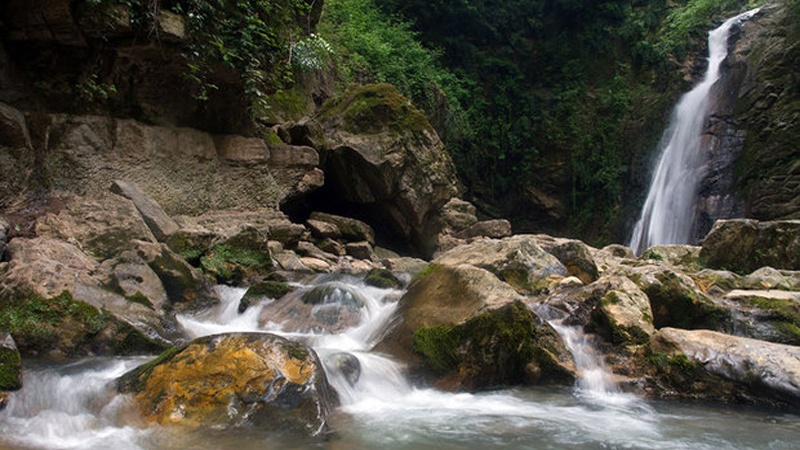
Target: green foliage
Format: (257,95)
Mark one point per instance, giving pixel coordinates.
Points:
(687,24)
(370,46)
(252,37)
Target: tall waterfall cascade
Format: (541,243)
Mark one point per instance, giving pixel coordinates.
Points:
(669,211)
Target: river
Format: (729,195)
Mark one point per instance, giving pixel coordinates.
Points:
(68,405)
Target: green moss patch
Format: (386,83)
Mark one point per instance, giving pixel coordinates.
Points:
(437,345)
(382,278)
(71,326)
(229,264)
(375,108)
(10,368)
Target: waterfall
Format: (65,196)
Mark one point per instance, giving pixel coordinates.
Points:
(668,213)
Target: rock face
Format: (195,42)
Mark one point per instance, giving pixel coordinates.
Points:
(763,100)
(235,380)
(472,332)
(384,159)
(762,368)
(745,245)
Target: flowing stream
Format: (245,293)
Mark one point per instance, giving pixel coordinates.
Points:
(669,211)
(68,406)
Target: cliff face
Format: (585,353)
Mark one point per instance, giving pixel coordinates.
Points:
(754,161)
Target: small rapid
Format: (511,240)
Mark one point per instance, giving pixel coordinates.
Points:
(73,406)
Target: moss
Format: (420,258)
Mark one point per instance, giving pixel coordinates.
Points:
(652,254)
(679,306)
(789,329)
(136,380)
(229,264)
(437,345)
(382,278)
(286,105)
(375,108)
(269,289)
(611,298)
(182,244)
(69,325)
(430,269)
(786,310)
(272,138)
(141,299)
(10,367)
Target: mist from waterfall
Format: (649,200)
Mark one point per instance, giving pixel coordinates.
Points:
(669,211)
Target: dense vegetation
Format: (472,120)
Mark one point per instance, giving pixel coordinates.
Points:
(551,105)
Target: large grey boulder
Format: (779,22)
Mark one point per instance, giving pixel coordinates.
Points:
(745,245)
(517,260)
(757,368)
(468,330)
(101,224)
(154,216)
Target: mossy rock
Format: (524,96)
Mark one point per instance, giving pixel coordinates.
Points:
(675,303)
(240,258)
(68,326)
(10,364)
(375,108)
(264,289)
(235,380)
(784,315)
(506,346)
(382,278)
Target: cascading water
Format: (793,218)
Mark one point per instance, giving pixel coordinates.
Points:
(71,407)
(669,211)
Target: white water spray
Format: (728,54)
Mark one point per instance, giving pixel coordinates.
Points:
(669,211)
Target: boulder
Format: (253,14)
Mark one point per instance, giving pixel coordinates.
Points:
(469,330)
(687,257)
(187,289)
(382,278)
(263,290)
(350,229)
(622,313)
(13,128)
(293,156)
(769,278)
(235,381)
(156,219)
(360,250)
(102,224)
(329,307)
(767,315)
(10,364)
(383,157)
(759,371)
(496,229)
(676,301)
(458,215)
(574,255)
(517,260)
(744,245)
(240,257)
